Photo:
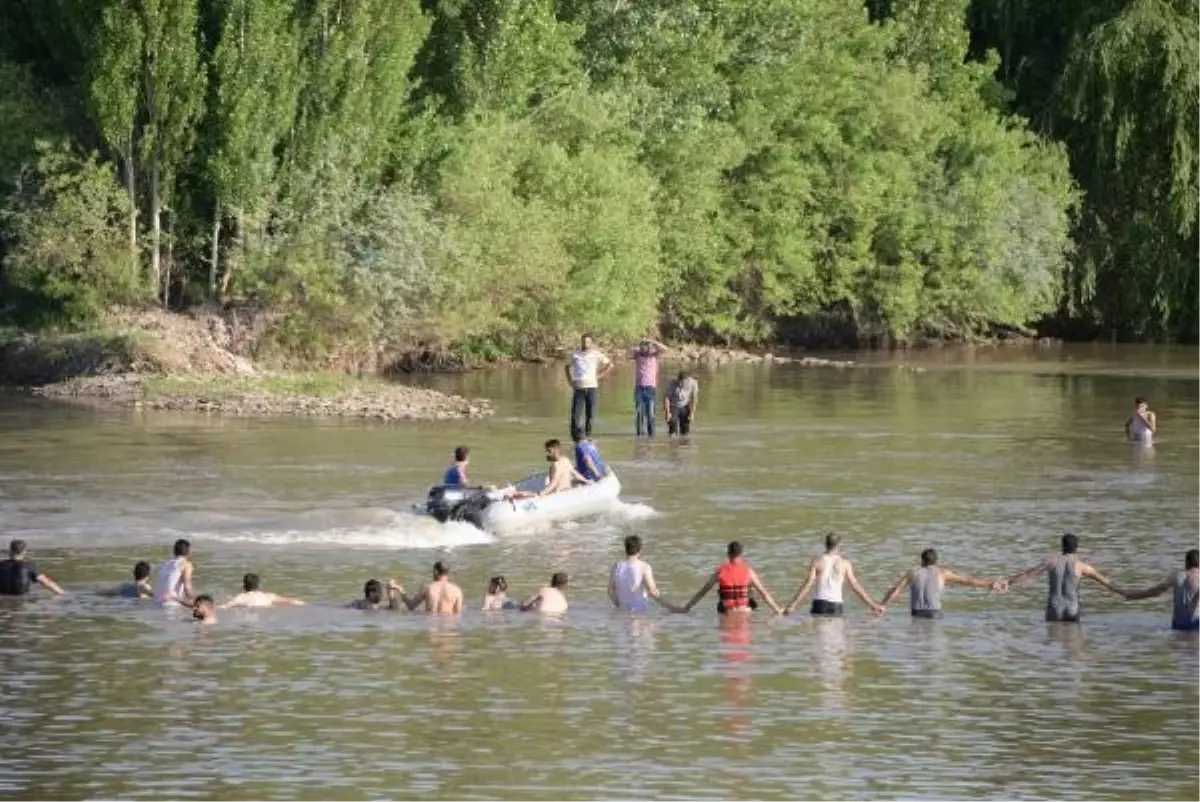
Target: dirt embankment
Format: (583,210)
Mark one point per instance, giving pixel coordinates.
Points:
(200,362)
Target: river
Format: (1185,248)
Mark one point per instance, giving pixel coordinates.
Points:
(988,455)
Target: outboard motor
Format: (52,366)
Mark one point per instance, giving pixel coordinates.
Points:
(456,504)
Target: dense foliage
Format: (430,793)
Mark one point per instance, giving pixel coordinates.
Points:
(506,173)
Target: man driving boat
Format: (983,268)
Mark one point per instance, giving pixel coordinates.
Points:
(561,475)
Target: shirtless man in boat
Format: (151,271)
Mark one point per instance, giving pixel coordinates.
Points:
(559,477)
(441,596)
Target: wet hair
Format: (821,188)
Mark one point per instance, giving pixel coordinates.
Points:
(497,584)
(1137,402)
(440,569)
(832,541)
(1070,543)
(559,580)
(250,582)
(141,570)
(203,598)
(182,548)
(16,548)
(928,558)
(553,443)
(1192,559)
(461,453)
(734,549)
(633,545)
(373,591)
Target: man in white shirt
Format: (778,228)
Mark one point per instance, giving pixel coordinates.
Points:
(588,367)
(631,581)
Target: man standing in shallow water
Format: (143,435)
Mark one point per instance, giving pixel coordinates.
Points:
(927,583)
(441,596)
(1065,572)
(17,575)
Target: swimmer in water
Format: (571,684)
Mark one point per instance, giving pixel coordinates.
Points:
(140,588)
(1142,424)
(550,599)
(373,596)
(252,596)
(1185,585)
(828,572)
(927,583)
(203,609)
(1065,572)
(441,596)
(734,580)
(631,581)
(174,585)
(496,597)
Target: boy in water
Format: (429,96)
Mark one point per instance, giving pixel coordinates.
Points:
(496,597)
(252,596)
(140,588)
(550,599)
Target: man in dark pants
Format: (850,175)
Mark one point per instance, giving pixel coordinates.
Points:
(588,367)
(680,402)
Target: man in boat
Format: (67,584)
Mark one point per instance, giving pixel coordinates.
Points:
(1065,572)
(550,599)
(734,580)
(1142,424)
(560,476)
(18,575)
(441,596)
(680,404)
(828,572)
(1185,586)
(587,459)
(927,583)
(253,596)
(631,581)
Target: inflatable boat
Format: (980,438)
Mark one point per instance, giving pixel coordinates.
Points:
(492,512)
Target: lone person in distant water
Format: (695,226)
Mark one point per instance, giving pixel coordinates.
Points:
(18,575)
(927,583)
(734,580)
(174,585)
(631,581)
(680,404)
(1065,572)
(252,596)
(828,572)
(1142,424)
(1185,585)
(645,384)
(589,365)
(441,596)
(140,588)
(550,599)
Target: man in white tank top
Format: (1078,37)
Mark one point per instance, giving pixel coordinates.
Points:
(173,583)
(828,572)
(631,580)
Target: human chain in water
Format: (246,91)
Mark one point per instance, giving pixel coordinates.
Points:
(632,584)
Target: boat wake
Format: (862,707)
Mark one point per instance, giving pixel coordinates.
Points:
(384,528)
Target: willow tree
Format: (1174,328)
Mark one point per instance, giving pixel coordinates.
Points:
(1130,89)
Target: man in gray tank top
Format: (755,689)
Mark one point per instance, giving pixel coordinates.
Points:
(1065,571)
(927,583)
(1185,585)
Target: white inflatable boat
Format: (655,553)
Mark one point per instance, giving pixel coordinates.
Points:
(492,512)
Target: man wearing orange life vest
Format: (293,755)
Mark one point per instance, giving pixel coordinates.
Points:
(734,580)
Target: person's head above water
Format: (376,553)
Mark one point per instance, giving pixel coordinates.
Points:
(373,591)
(16,549)
(928,558)
(833,541)
(203,608)
(440,570)
(462,454)
(1192,559)
(182,548)
(250,583)
(734,550)
(1070,543)
(633,545)
(552,447)
(141,571)
(497,584)
(559,581)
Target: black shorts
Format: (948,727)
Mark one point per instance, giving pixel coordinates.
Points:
(926,613)
(752,604)
(822,607)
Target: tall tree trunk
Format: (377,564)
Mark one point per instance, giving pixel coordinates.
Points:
(131,191)
(168,263)
(238,254)
(215,257)
(156,228)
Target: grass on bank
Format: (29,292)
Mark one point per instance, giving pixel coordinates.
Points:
(311,385)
